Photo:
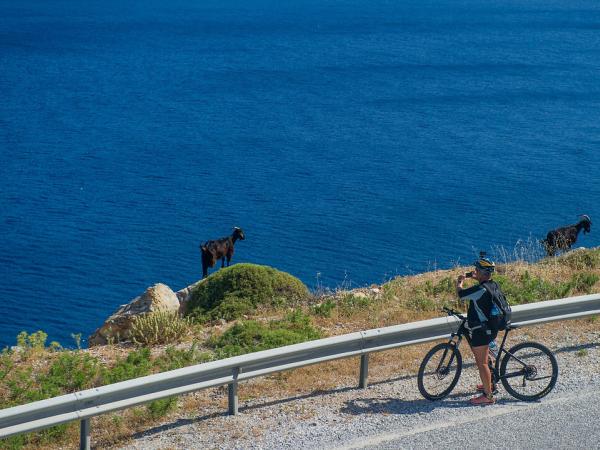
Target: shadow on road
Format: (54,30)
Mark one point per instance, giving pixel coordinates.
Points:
(408,407)
(363,406)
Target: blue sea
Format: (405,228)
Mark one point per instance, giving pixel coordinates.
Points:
(353,141)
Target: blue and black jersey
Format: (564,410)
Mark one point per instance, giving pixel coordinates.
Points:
(481,305)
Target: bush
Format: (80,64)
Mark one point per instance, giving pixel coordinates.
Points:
(584,282)
(421,302)
(351,303)
(237,290)
(176,359)
(6,363)
(528,289)
(159,327)
(581,259)
(41,439)
(71,372)
(34,344)
(252,336)
(231,307)
(137,364)
(445,286)
(324,309)
(160,408)
(34,341)
(21,387)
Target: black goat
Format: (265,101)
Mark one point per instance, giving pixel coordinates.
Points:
(563,238)
(222,248)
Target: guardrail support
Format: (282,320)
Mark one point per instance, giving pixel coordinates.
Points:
(233,393)
(84,435)
(364,371)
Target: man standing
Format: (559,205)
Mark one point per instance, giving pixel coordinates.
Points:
(483,319)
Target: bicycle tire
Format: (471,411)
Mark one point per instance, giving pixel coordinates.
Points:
(447,364)
(544,367)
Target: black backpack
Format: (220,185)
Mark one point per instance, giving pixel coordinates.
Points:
(501,303)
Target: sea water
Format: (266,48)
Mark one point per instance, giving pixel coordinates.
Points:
(353,141)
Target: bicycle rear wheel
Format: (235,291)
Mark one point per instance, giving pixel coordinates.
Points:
(439,371)
(529,371)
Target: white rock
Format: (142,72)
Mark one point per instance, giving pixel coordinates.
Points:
(159,297)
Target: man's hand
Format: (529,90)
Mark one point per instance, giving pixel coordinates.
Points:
(459,282)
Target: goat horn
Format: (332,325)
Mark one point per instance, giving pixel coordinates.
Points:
(586,217)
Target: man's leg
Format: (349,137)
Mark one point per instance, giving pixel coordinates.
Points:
(481,358)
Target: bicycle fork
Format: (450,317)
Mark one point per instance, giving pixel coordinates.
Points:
(443,368)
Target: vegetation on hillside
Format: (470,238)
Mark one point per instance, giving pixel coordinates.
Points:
(242,289)
(251,335)
(247,308)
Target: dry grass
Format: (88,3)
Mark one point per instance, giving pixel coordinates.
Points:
(342,374)
(402,300)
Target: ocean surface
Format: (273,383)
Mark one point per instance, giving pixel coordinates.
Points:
(353,141)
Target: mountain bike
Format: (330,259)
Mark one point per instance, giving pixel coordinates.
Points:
(528,371)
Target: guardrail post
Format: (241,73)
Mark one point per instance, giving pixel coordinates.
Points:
(233,393)
(364,370)
(84,435)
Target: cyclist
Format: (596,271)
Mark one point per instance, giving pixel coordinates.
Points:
(482,318)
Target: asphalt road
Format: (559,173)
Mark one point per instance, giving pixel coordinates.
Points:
(392,414)
(571,420)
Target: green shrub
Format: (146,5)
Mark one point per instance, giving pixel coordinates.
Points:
(14,442)
(350,303)
(175,359)
(77,338)
(324,309)
(21,386)
(230,308)
(41,439)
(51,435)
(584,282)
(445,286)
(159,327)
(33,341)
(137,364)
(237,290)
(580,259)
(421,302)
(429,295)
(252,336)
(160,408)
(6,363)
(71,372)
(529,288)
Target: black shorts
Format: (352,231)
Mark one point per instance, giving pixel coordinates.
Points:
(484,335)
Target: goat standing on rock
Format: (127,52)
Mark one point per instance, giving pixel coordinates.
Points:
(222,248)
(563,238)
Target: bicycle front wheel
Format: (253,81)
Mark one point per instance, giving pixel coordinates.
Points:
(529,371)
(439,371)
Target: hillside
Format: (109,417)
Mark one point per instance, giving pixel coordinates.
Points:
(247,308)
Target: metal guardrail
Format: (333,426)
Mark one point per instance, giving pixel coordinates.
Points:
(93,402)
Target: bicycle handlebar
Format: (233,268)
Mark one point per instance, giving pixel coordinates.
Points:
(452,312)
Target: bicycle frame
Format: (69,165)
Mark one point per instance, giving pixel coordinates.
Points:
(495,368)
(447,363)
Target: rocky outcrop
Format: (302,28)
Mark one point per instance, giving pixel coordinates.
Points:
(117,327)
(184,295)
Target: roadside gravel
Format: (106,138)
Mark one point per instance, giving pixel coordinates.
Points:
(346,417)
